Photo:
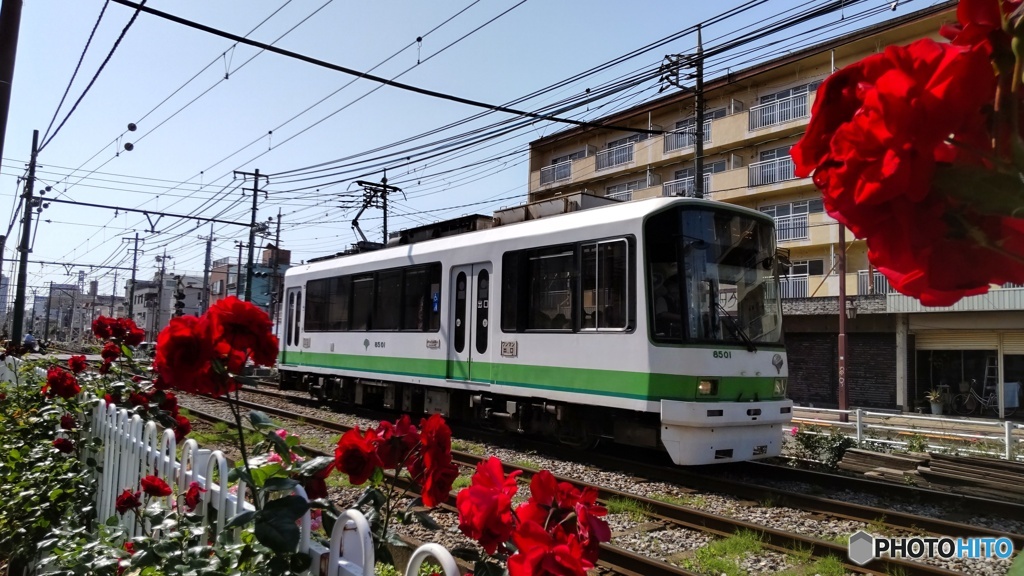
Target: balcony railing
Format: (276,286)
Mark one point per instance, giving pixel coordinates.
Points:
(777,112)
(685,137)
(684,187)
(770,172)
(614,156)
(881,283)
(791,227)
(625,195)
(556,172)
(793,286)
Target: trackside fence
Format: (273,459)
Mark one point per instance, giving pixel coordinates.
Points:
(133,448)
(964,436)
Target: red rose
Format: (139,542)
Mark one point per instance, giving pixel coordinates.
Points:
(169,403)
(397,442)
(64,445)
(555,554)
(437,486)
(60,382)
(591,529)
(77,364)
(130,334)
(193,496)
(181,428)
(68,422)
(184,358)
(238,326)
(105,368)
(129,547)
(136,399)
(111,351)
(103,326)
(436,442)
(356,455)
(128,500)
(154,486)
(485,507)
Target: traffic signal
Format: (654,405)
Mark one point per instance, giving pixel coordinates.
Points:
(179,298)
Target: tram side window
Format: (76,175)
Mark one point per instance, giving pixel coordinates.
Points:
(510,320)
(604,275)
(362,301)
(317,302)
(387,313)
(421,298)
(338,315)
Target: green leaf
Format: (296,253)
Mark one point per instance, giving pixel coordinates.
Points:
(14,455)
(280,484)
(318,464)
(289,507)
(241,519)
(260,420)
(483,568)
(280,444)
(276,532)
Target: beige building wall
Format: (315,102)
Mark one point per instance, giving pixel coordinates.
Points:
(745,147)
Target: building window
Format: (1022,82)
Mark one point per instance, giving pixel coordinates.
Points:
(568,287)
(624,191)
(775,165)
(638,137)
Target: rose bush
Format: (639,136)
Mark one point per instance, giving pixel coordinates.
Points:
(559,530)
(918,150)
(423,452)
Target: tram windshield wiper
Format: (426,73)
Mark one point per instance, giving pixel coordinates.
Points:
(735,328)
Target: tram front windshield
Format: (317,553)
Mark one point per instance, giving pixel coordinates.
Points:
(711,277)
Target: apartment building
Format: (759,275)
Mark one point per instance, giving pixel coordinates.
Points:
(896,349)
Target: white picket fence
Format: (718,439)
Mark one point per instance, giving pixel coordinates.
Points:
(133,449)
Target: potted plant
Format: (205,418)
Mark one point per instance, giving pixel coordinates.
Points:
(934,397)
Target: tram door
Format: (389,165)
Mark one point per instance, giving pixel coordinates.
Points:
(469,318)
(290,329)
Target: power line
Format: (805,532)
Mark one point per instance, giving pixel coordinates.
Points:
(374,78)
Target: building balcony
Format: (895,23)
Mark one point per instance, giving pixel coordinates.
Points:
(684,187)
(876,283)
(556,173)
(781,111)
(788,228)
(770,172)
(612,157)
(685,138)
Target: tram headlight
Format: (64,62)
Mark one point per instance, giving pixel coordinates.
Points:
(780,386)
(707,387)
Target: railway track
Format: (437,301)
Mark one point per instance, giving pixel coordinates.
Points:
(661,513)
(711,478)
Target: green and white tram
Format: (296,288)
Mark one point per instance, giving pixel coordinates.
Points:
(652,323)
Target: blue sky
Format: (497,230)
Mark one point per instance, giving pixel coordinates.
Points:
(184,153)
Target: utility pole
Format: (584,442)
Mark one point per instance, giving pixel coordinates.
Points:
(698,104)
(113,295)
(275,261)
(252,228)
(843,396)
(10,23)
(373,191)
(26,231)
(205,296)
(238,273)
(160,295)
(46,324)
(135,260)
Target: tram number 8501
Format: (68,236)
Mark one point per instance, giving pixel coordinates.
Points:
(722,354)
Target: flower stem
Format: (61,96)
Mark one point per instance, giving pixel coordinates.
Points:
(236,412)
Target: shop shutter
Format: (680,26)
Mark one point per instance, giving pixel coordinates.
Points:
(1013,343)
(956,340)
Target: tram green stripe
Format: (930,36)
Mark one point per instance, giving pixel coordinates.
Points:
(618,383)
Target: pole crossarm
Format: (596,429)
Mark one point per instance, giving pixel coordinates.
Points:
(148,212)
